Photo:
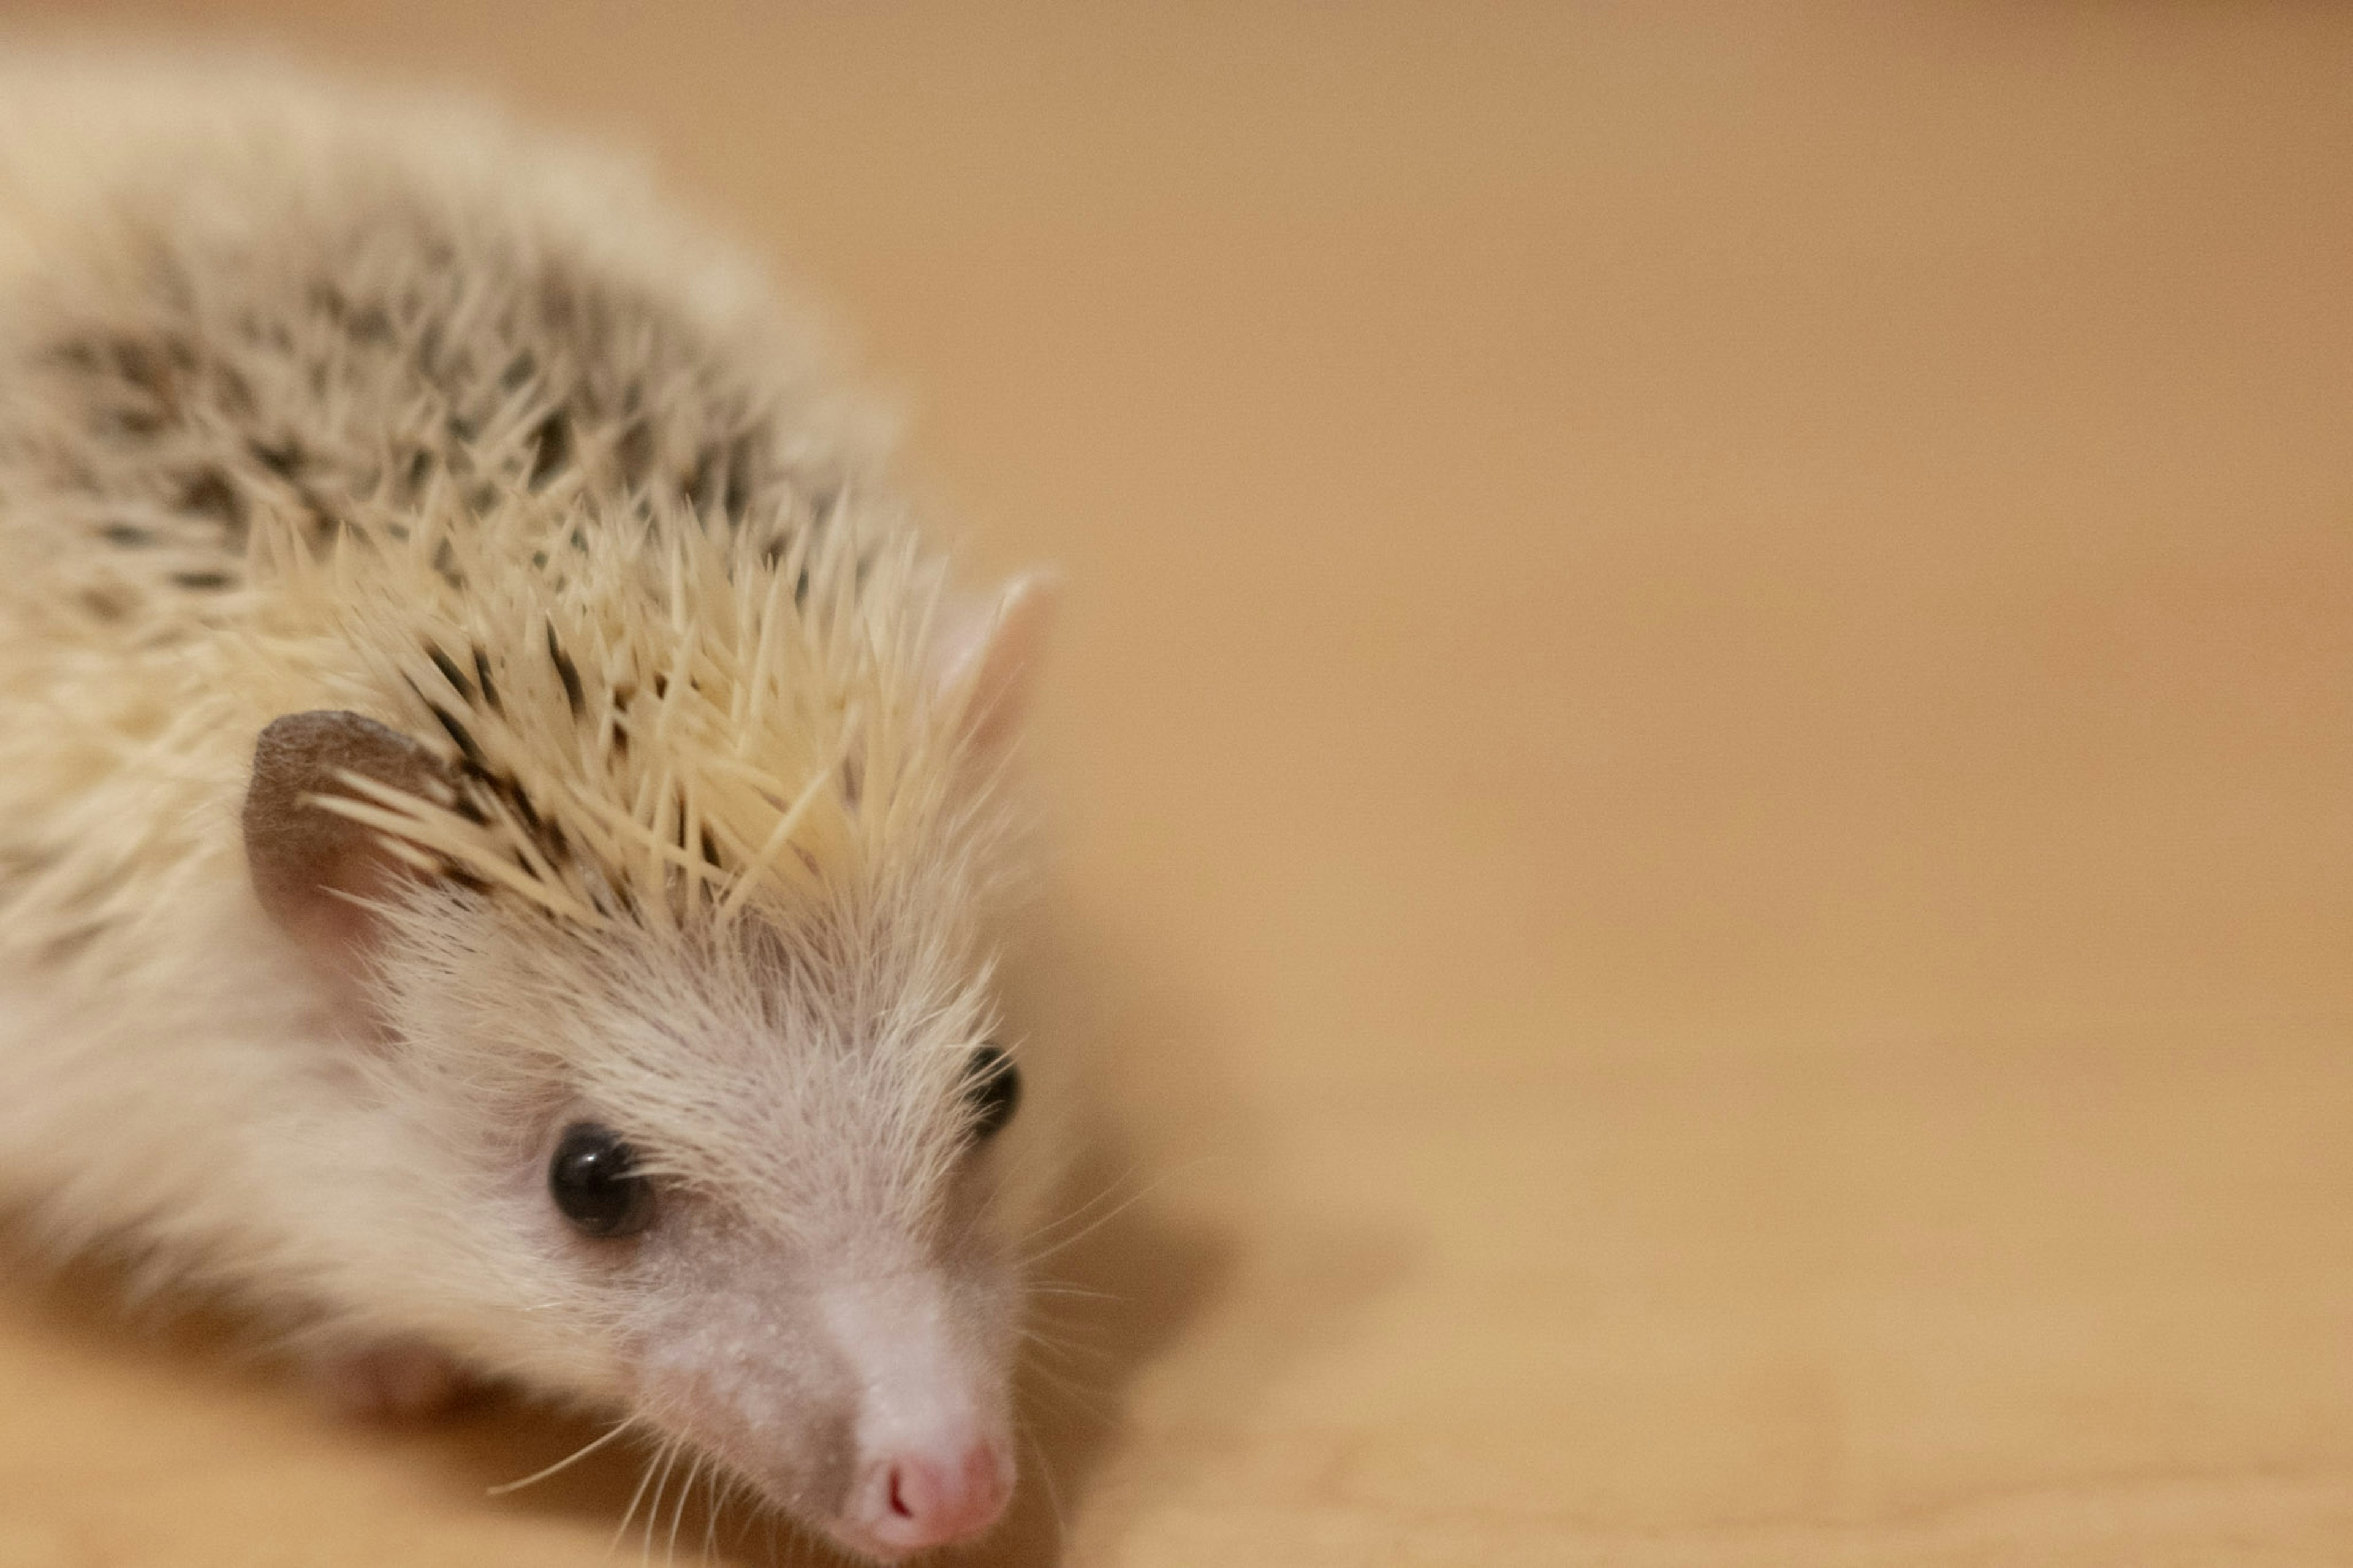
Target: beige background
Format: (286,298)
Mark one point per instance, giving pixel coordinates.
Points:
(1703,747)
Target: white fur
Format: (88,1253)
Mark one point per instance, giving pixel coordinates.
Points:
(295,393)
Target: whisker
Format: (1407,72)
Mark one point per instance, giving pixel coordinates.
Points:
(1092,1226)
(1034,1259)
(1108,1189)
(754,1508)
(631,1512)
(1043,1341)
(1056,1384)
(563,1463)
(1077,1355)
(1053,1493)
(678,1514)
(1079,1361)
(671,1452)
(718,1504)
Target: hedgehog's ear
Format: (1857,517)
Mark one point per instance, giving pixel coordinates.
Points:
(985,654)
(308,864)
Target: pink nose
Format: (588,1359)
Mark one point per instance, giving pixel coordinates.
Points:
(913,1499)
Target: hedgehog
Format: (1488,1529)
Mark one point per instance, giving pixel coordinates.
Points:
(504,818)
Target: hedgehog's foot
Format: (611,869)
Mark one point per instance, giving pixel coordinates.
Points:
(396,1379)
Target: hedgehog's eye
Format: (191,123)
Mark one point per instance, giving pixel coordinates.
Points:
(992,1084)
(596,1184)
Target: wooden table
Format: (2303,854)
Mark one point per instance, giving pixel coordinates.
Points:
(1703,749)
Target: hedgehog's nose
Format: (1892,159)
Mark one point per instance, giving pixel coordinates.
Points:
(933,1495)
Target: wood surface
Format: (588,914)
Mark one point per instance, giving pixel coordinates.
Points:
(1702,751)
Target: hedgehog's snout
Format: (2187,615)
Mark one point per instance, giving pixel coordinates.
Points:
(933,1437)
(875,1408)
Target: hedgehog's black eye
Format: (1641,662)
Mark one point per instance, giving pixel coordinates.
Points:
(595,1182)
(992,1084)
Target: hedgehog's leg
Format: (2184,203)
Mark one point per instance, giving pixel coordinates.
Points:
(396,1379)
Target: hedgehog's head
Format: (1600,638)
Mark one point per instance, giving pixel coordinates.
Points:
(743,1164)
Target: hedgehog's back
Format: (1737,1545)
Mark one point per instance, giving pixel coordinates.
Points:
(305,405)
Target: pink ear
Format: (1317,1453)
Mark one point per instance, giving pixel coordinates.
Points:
(308,864)
(985,656)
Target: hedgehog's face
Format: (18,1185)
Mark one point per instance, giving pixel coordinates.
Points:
(748,1176)
(785,1196)
(752,1184)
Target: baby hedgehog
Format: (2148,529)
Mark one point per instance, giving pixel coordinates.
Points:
(499,809)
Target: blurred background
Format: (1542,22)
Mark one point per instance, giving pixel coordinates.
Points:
(1702,754)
